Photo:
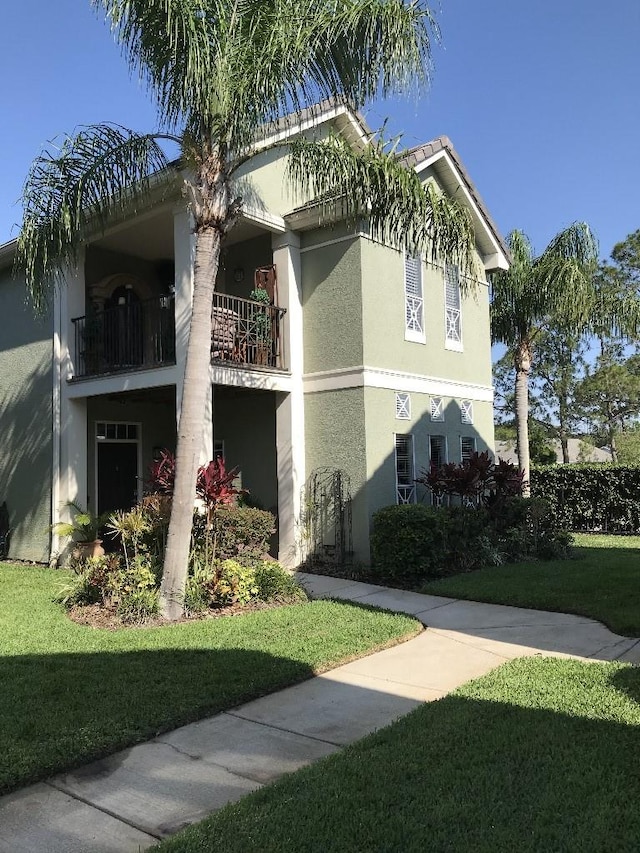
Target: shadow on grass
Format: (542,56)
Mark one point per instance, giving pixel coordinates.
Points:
(469,772)
(63,710)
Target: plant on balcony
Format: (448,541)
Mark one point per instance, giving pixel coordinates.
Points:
(261,324)
(221,72)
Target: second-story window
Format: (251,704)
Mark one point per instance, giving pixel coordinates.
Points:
(413,300)
(452,310)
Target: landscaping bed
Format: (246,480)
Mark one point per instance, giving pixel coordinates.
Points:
(72,693)
(540,754)
(601,581)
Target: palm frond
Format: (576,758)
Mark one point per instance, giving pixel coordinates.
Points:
(73,190)
(224,68)
(374,185)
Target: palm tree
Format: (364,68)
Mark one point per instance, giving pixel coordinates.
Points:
(220,72)
(553,291)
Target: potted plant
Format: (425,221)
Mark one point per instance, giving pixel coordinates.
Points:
(261,324)
(83,530)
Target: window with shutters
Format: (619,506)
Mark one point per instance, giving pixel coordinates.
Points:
(405,470)
(437,409)
(413,300)
(452,309)
(437,450)
(466,411)
(403,406)
(467,447)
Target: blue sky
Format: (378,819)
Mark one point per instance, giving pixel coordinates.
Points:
(540,99)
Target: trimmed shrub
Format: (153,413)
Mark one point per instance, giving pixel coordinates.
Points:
(407,542)
(241,533)
(591,497)
(276,584)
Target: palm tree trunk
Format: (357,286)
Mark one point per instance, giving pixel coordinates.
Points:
(522,362)
(196,387)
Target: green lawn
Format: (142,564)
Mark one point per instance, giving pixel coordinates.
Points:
(70,693)
(540,755)
(602,582)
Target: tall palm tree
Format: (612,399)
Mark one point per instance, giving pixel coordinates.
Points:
(220,72)
(554,290)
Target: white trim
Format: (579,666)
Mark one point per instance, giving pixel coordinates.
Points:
(315,120)
(377,377)
(267,220)
(496,258)
(261,380)
(119,382)
(453,346)
(344,239)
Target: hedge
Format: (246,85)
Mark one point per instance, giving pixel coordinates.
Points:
(591,497)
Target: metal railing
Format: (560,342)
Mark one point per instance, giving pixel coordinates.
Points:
(245,332)
(126,337)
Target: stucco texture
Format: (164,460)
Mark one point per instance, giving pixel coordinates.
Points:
(25,422)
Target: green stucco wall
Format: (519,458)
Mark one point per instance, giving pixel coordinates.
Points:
(332,306)
(335,437)
(384,321)
(246,421)
(382,425)
(26,442)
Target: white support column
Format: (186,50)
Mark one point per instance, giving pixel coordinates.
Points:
(290,442)
(70,415)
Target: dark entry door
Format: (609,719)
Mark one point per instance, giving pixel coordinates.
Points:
(117,475)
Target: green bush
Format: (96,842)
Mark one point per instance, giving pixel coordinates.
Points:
(236,533)
(591,497)
(407,542)
(274,583)
(412,543)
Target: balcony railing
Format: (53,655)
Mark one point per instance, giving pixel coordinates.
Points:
(244,332)
(126,337)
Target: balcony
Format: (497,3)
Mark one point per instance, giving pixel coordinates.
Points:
(246,333)
(138,335)
(132,336)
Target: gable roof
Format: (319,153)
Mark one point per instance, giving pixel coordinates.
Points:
(445,161)
(439,154)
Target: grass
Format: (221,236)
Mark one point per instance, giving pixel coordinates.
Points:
(71,694)
(540,755)
(602,582)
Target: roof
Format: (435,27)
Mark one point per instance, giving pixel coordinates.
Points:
(426,154)
(438,154)
(579,451)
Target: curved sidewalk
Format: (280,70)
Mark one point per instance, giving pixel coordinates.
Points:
(129,800)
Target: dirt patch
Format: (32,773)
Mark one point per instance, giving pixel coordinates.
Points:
(97,616)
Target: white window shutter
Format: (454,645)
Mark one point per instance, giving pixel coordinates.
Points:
(403,406)
(413,299)
(466,411)
(405,469)
(437,409)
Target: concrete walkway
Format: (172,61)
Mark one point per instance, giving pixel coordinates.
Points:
(130,800)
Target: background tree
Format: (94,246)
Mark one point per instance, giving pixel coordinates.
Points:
(539,293)
(556,373)
(220,71)
(609,398)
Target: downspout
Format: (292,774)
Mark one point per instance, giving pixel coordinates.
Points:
(54,549)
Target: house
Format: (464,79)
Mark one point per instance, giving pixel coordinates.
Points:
(357,368)
(579,451)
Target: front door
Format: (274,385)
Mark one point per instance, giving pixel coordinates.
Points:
(117,475)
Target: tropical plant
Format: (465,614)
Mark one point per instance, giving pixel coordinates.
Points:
(84,526)
(553,290)
(220,72)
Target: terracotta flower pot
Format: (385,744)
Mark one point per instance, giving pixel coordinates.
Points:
(86,550)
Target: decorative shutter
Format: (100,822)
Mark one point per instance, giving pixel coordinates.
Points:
(467,447)
(414,303)
(403,406)
(437,450)
(437,409)
(453,325)
(405,486)
(466,411)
